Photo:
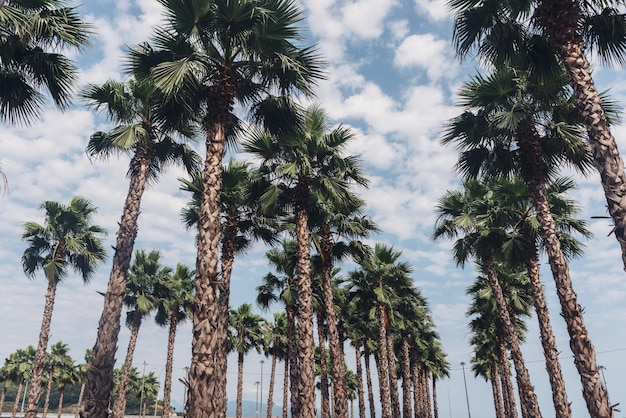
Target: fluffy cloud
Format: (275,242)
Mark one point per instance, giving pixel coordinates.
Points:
(426,52)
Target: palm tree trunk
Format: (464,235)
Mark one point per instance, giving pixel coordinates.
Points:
(508,395)
(594,391)
(228,258)
(293,358)
(119,406)
(2,395)
(40,355)
(285,388)
(167,385)
(16,402)
(80,399)
(100,370)
(393,377)
(561,19)
(60,407)
(359,380)
(383,363)
(406,379)
(495,389)
(340,399)
(548,342)
(418,406)
(324,395)
(205,398)
(528,399)
(368,377)
(270,395)
(435,405)
(46,403)
(426,393)
(306,362)
(239,384)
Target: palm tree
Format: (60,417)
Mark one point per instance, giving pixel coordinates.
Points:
(143,133)
(149,391)
(296,167)
(141,298)
(19,368)
(207,57)
(66,375)
(175,305)
(5,384)
(67,240)
(33,33)
(246,333)
(57,358)
(473,215)
(82,373)
(276,344)
(535,115)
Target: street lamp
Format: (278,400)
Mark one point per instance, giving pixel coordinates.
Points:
(261,397)
(469,414)
(256,414)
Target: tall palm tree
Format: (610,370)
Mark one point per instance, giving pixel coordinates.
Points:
(297,165)
(246,333)
(472,215)
(534,115)
(142,132)
(33,33)
(207,57)
(141,298)
(175,305)
(67,240)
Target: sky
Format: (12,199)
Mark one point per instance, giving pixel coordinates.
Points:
(392,76)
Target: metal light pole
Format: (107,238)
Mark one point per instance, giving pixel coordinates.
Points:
(143,379)
(261,396)
(256,414)
(469,414)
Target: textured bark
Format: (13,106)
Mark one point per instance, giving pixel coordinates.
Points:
(594,391)
(528,398)
(206,399)
(393,377)
(368,377)
(497,395)
(306,362)
(46,403)
(270,395)
(508,395)
(40,355)
(426,393)
(100,370)
(293,357)
(359,380)
(2,395)
(167,384)
(406,379)
(561,20)
(119,406)
(435,404)
(228,259)
(417,402)
(338,362)
(323,378)
(382,363)
(16,402)
(285,388)
(239,384)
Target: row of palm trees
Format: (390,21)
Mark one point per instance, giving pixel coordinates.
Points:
(61,373)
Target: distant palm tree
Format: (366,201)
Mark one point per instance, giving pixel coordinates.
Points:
(138,110)
(141,298)
(67,240)
(33,33)
(276,345)
(175,305)
(19,367)
(66,376)
(5,384)
(82,373)
(57,358)
(246,333)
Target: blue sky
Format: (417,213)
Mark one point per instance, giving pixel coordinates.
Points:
(392,78)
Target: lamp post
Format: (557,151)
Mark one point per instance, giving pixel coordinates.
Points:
(256,414)
(469,414)
(143,379)
(261,396)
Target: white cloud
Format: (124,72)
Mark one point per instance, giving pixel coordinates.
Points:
(427,52)
(436,9)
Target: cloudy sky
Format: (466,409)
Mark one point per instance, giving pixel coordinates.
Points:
(391,77)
